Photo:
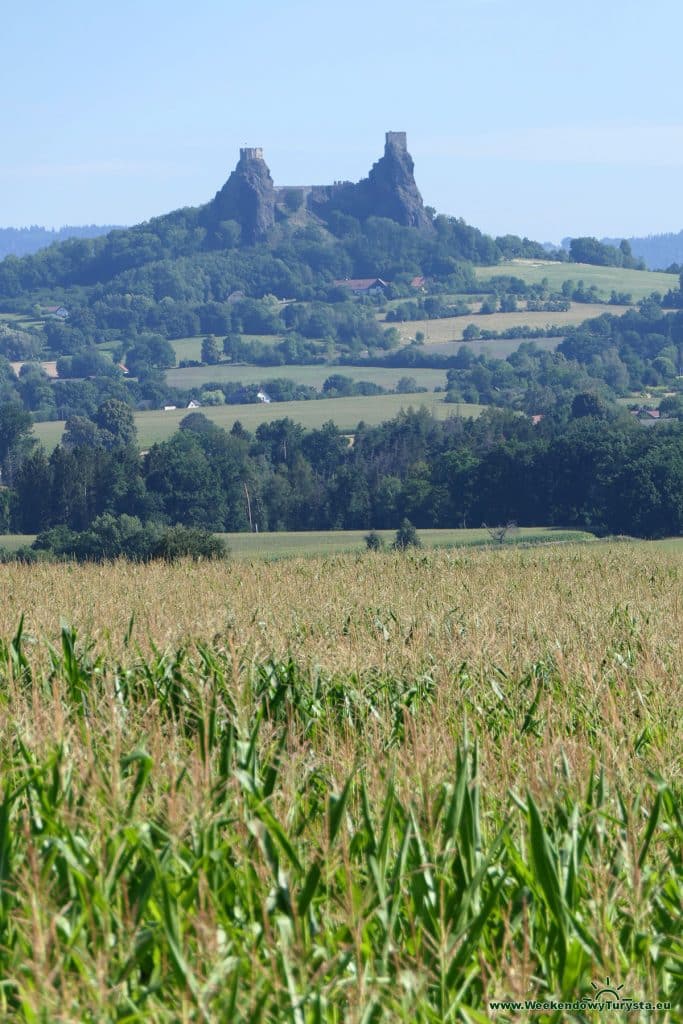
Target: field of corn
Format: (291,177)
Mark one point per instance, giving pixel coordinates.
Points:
(360,788)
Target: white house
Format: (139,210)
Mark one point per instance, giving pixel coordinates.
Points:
(263,396)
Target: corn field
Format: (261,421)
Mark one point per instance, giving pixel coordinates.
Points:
(367,788)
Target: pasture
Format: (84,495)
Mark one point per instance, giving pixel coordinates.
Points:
(366,787)
(640,283)
(158,425)
(451,328)
(313,376)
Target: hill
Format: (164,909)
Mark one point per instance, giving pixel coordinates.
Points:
(25,241)
(657,251)
(254,238)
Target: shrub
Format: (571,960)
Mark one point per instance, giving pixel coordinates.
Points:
(188,542)
(373,541)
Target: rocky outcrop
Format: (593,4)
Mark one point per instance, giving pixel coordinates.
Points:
(389,190)
(391,186)
(247,197)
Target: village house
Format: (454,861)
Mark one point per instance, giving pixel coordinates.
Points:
(363,285)
(56,312)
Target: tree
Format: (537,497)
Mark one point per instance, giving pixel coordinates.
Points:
(211,353)
(15,426)
(499,533)
(406,537)
(587,404)
(117,424)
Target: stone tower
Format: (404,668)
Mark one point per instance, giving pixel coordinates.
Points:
(397,140)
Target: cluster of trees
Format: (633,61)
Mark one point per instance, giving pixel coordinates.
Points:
(586,467)
(590,250)
(615,355)
(123,536)
(530,379)
(177,275)
(642,348)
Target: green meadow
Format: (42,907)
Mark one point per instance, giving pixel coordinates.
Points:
(313,376)
(639,283)
(158,425)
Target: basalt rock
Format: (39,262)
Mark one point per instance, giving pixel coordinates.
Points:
(250,198)
(388,191)
(247,197)
(391,188)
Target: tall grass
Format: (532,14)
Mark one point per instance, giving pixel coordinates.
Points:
(391,806)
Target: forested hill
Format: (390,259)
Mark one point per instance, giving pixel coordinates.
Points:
(25,241)
(658,252)
(259,239)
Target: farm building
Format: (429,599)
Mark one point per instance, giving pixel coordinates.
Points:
(363,285)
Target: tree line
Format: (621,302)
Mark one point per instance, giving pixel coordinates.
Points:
(593,469)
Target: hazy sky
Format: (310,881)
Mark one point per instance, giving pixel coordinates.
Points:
(538,118)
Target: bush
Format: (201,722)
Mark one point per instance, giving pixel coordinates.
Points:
(188,542)
(373,541)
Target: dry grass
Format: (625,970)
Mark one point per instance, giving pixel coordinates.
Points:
(451,328)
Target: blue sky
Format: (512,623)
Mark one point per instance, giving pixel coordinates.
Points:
(543,119)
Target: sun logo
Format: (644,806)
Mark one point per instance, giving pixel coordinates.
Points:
(607,989)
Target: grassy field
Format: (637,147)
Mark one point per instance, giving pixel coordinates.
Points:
(639,283)
(451,328)
(314,376)
(497,348)
(366,787)
(191,348)
(13,541)
(158,425)
(329,542)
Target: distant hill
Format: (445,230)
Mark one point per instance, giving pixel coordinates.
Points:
(24,241)
(658,251)
(256,238)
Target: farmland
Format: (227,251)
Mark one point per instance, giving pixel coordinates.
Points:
(639,283)
(158,425)
(313,376)
(357,787)
(329,542)
(451,328)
